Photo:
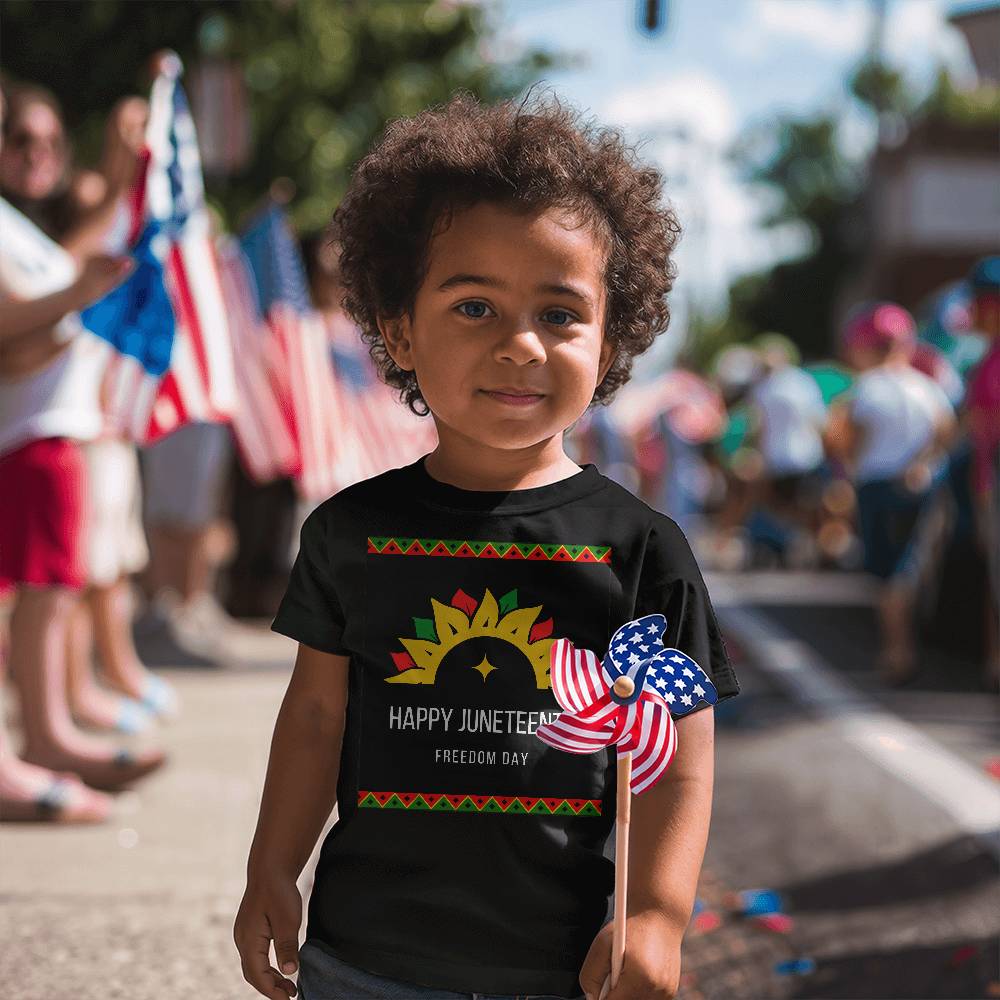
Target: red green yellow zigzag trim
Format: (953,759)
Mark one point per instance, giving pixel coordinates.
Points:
(458,548)
(466,803)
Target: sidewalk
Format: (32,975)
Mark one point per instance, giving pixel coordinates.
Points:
(142,907)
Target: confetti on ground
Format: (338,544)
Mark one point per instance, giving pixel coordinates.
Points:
(754,902)
(707,921)
(796,967)
(962,955)
(777,922)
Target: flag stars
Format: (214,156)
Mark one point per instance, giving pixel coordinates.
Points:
(653,629)
(621,647)
(635,638)
(634,658)
(699,690)
(677,658)
(670,697)
(687,672)
(661,682)
(679,684)
(686,699)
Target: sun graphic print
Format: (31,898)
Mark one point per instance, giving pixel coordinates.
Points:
(463,620)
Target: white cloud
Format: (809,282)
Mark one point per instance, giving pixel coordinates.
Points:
(698,102)
(690,120)
(838,28)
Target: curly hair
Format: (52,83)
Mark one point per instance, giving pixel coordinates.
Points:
(534,155)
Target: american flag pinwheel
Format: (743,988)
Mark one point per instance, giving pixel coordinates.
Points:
(628,699)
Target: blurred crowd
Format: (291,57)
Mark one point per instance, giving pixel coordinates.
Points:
(883,459)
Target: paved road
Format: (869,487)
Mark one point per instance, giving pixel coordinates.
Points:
(889,895)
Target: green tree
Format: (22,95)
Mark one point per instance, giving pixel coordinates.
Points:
(323,76)
(818,192)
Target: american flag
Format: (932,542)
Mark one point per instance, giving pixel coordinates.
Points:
(667,683)
(388,434)
(348,425)
(327,453)
(263,423)
(172,361)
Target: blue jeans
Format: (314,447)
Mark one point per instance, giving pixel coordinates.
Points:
(323,976)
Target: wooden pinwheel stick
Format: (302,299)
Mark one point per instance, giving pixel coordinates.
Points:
(624,687)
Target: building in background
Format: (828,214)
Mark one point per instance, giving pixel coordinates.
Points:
(934,188)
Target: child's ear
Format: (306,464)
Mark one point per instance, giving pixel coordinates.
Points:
(396,335)
(607,358)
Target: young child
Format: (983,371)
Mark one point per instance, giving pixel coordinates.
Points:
(505,264)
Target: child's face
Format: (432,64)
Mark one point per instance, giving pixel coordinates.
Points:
(506,337)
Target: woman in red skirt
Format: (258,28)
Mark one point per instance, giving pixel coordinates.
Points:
(50,371)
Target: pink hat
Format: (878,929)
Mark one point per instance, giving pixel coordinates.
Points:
(879,325)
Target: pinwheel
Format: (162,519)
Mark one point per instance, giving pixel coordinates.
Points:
(628,699)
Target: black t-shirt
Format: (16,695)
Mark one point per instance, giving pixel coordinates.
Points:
(468,855)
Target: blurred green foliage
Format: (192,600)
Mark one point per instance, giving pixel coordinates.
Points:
(323,76)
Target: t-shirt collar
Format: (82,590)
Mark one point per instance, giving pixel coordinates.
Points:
(448,497)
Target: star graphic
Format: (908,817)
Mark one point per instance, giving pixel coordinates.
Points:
(688,672)
(634,658)
(699,690)
(686,698)
(652,630)
(621,647)
(485,668)
(660,682)
(679,684)
(677,659)
(670,698)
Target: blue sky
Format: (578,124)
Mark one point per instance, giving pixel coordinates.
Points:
(720,65)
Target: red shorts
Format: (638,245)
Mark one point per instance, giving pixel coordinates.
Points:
(42,512)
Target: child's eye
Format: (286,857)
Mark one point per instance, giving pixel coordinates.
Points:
(477,310)
(564,318)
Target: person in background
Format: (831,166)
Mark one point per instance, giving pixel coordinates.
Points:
(983,419)
(892,431)
(184,479)
(50,372)
(789,415)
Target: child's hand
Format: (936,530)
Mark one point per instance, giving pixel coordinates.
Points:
(270,911)
(652,968)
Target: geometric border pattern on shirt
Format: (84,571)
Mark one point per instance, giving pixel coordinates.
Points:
(468,548)
(468,802)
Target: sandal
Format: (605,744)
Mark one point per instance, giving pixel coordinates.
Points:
(160,698)
(65,800)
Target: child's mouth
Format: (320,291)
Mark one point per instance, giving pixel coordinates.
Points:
(512,398)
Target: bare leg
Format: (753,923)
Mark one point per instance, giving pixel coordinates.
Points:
(90,704)
(39,634)
(111,608)
(898,654)
(179,560)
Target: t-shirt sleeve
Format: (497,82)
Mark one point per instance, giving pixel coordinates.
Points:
(672,585)
(867,403)
(310,611)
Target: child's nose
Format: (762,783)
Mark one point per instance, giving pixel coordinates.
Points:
(522,345)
